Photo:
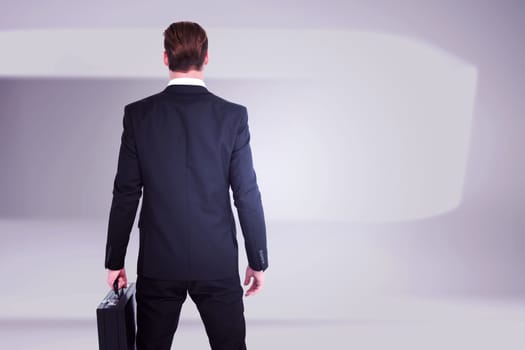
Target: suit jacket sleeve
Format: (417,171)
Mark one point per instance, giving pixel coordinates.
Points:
(247,198)
(127,190)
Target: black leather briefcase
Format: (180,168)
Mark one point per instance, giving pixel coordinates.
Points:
(116,319)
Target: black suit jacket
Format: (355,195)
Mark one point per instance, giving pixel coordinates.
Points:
(183,148)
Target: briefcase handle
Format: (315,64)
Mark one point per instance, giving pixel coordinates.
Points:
(116,290)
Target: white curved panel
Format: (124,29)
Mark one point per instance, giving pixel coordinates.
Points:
(354,126)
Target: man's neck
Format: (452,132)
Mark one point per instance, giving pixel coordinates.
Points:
(199,74)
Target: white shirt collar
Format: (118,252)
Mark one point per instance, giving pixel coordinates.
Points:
(186,81)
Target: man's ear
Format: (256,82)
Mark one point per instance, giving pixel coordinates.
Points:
(206,58)
(165,57)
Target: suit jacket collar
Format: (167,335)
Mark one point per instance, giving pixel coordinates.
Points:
(186,89)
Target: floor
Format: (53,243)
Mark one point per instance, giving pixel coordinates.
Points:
(356,290)
(418,324)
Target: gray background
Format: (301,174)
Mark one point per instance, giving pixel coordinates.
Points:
(58,151)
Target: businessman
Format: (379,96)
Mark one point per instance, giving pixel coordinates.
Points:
(182,149)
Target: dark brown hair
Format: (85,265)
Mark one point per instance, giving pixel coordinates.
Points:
(186,44)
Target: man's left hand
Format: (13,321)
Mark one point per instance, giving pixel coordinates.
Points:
(121,275)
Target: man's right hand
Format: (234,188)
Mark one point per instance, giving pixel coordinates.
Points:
(257,278)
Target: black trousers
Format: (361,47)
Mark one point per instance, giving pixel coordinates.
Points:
(219,302)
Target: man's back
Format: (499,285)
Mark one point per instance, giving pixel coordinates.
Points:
(190,145)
